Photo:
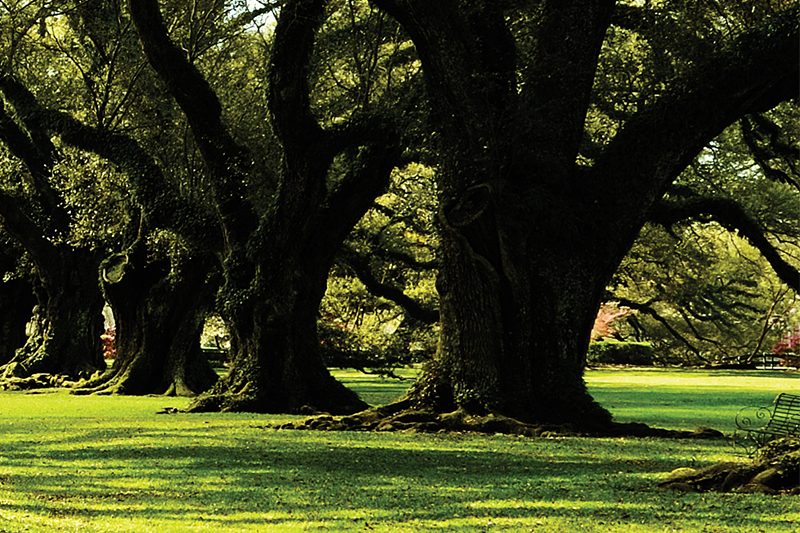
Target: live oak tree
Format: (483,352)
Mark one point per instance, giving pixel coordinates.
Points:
(544,185)
(99,189)
(68,321)
(276,252)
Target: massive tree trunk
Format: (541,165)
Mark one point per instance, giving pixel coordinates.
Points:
(531,238)
(66,338)
(275,265)
(18,301)
(159,311)
(276,365)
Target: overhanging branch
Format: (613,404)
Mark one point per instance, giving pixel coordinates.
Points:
(756,71)
(360,267)
(730,215)
(228,162)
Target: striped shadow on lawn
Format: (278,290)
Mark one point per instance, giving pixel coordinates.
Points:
(110,464)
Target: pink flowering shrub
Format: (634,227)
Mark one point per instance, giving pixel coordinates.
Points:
(107,338)
(602,324)
(789,348)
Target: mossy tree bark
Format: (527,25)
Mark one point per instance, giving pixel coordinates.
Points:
(531,237)
(275,263)
(70,304)
(159,311)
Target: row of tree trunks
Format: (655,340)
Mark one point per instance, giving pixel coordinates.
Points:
(275,264)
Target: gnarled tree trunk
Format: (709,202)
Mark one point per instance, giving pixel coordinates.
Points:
(275,263)
(159,311)
(531,232)
(275,361)
(70,322)
(515,323)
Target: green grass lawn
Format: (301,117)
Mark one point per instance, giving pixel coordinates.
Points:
(110,464)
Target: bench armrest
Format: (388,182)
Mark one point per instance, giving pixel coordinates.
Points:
(753,418)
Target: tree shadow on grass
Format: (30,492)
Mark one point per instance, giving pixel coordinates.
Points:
(283,477)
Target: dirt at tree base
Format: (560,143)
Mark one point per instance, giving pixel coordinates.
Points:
(775,470)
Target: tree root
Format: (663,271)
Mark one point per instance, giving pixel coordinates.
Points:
(773,472)
(399,417)
(35,382)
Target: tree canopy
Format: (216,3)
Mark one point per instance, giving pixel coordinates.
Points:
(217,155)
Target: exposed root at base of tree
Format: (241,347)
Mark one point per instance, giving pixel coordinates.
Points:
(397,417)
(42,382)
(38,381)
(776,470)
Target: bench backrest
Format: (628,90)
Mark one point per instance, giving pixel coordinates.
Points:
(786,415)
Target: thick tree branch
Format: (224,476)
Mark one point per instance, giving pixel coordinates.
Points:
(288,83)
(17,223)
(468,58)
(38,157)
(559,83)
(755,72)
(730,215)
(367,179)
(309,150)
(161,202)
(360,266)
(228,163)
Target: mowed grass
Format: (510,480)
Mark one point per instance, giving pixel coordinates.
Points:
(108,464)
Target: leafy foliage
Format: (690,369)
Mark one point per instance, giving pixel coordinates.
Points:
(701,289)
(381,297)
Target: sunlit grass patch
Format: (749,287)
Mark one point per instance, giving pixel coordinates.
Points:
(685,399)
(105,464)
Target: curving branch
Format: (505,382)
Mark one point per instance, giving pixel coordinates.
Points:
(35,151)
(17,223)
(755,72)
(360,266)
(730,215)
(228,162)
(160,200)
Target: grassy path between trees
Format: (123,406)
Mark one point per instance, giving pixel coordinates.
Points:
(110,464)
